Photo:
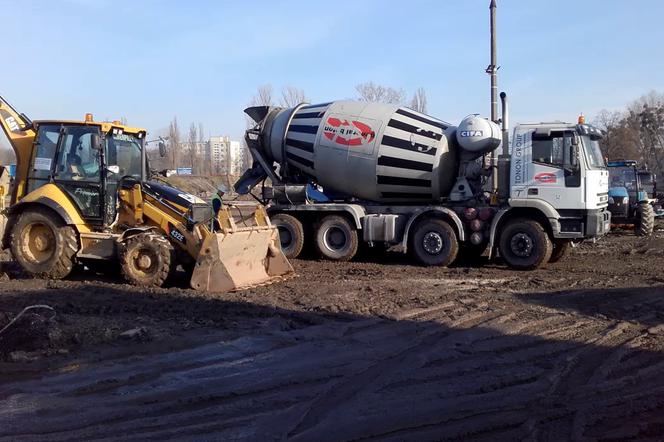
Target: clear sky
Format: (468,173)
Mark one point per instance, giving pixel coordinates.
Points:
(203,60)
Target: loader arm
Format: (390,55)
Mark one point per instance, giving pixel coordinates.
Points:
(21,135)
(234,256)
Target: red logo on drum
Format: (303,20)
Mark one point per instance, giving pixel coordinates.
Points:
(353,133)
(546,178)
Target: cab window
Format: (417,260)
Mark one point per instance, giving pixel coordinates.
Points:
(42,161)
(78,159)
(552,150)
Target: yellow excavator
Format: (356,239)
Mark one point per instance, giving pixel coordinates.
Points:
(82,195)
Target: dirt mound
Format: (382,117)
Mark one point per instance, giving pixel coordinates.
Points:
(31,330)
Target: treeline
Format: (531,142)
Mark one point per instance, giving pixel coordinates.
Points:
(369,91)
(636,133)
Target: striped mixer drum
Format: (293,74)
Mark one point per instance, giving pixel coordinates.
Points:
(375,152)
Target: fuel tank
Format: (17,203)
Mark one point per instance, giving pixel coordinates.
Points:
(376,152)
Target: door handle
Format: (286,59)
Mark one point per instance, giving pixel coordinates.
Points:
(533,191)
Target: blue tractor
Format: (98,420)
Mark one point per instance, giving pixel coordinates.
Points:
(629,202)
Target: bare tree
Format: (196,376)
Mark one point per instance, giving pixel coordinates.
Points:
(192,151)
(206,168)
(419,101)
(380,94)
(637,133)
(174,141)
(263,96)
(618,140)
(292,96)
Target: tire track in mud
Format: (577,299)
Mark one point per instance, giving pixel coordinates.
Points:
(500,379)
(471,361)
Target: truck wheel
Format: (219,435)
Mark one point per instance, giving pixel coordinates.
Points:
(524,245)
(336,239)
(560,249)
(645,222)
(291,234)
(147,259)
(434,243)
(43,245)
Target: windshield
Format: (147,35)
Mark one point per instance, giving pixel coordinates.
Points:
(124,151)
(622,177)
(594,153)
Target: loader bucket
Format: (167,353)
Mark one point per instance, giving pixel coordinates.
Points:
(239,258)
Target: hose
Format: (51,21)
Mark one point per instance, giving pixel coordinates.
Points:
(32,307)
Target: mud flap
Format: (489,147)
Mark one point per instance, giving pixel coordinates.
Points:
(240,259)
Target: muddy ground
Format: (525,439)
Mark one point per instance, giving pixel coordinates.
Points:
(370,350)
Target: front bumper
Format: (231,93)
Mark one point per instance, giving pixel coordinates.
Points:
(598,223)
(582,225)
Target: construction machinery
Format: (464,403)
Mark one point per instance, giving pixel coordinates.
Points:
(81,195)
(399,179)
(631,196)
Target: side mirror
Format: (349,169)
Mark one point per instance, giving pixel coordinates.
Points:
(574,160)
(162,148)
(97,143)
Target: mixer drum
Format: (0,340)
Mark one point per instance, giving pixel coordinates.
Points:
(375,152)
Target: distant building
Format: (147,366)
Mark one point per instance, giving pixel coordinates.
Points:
(219,154)
(226,156)
(236,158)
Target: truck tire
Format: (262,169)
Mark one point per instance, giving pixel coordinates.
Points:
(524,245)
(43,245)
(645,222)
(291,234)
(434,243)
(336,239)
(560,249)
(147,259)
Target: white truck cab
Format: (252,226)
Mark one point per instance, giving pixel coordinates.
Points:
(558,168)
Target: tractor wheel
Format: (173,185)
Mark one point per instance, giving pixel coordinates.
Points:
(147,259)
(43,245)
(336,239)
(645,222)
(560,249)
(524,245)
(291,234)
(434,243)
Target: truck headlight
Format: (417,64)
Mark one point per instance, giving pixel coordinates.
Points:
(610,200)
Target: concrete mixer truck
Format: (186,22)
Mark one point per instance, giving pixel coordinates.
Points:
(347,172)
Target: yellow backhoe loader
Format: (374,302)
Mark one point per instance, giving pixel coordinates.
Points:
(82,195)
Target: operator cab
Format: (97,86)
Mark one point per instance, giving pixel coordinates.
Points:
(87,160)
(560,165)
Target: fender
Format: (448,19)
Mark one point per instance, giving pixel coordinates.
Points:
(443,210)
(494,228)
(356,211)
(133,232)
(545,208)
(42,201)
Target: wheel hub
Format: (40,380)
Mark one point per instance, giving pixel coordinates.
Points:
(522,245)
(335,238)
(144,262)
(432,243)
(39,243)
(285,237)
